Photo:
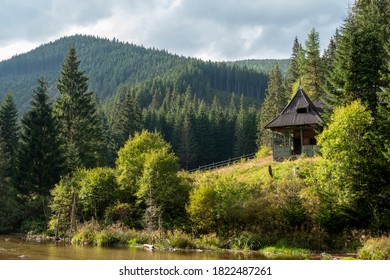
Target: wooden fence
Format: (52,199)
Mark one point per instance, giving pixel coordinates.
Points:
(223,163)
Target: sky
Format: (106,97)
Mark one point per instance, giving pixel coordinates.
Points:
(218,30)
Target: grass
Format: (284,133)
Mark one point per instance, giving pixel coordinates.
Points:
(375,249)
(281,251)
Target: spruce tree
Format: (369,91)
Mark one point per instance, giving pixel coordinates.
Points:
(240,131)
(127,119)
(204,135)
(245,130)
(77,115)
(40,160)
(293,72)
(218,127)
(314,78)
(9,209)
(361,57)
(274,103)
(9,133)
(188,147)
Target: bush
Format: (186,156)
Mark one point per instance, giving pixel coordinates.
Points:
(98,190)
(86,234)
(123,213)
(249,241)
(375,249)
(34,226)
(107,238)
(208,241)
(178,239)
(264,151)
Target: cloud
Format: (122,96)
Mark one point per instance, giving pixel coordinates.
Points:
(210,29)
(39,19)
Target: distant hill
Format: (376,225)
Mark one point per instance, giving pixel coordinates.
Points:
(264,65)
(110,63)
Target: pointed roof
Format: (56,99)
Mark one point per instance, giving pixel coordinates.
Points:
(299,112)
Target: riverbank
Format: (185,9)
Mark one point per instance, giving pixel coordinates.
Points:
(117,236)
(18,247)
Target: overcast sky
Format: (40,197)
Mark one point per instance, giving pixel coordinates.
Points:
(207,29)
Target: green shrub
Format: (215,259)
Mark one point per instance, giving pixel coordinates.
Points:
(375,249)
(248,241)
(86,234)
(123,213)
(107,238)
(34,226)
(178,239)
(263,152)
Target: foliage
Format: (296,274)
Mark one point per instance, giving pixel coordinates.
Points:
(82,196)
(9,133)
(77,116)
(282,251)
(97,191)
(127,118)
(360,57)
(263,152)
(274,103)
(353,165)
(9,211)
(124,213)
(64,205)
(313,78)
(307,66)
(245,128)
(132,157)
(263,65)
(39,154)
(159,188)
(375,249)
(86,234)
(178,239)
(350,122)
(148,177)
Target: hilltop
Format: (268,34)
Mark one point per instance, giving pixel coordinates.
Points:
(110,63)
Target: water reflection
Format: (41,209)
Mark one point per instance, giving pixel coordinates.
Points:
(13,248)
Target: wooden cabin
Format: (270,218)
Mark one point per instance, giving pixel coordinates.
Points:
(295,128)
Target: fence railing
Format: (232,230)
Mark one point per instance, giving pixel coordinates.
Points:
(223,163)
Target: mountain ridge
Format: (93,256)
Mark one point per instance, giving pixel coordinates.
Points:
(110,63)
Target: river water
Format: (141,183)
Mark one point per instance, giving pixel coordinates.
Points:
(17,248)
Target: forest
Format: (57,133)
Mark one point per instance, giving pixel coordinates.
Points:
(93,148)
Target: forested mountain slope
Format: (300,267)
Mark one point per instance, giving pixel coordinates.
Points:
(110,63)
(264,65)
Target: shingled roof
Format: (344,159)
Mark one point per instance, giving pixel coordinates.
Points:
(299,112)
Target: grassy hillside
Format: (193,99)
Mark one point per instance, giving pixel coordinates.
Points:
(255,171)
(287,208)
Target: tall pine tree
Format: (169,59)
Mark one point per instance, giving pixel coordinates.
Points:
(9,209)
(40,160)
(294,72)
(274,103)
(9,133)
(127,119)
(78,117)
(360,56)
(314,78)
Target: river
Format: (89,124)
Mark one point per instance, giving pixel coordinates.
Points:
(17,248)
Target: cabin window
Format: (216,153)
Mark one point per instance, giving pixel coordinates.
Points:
(302,110)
